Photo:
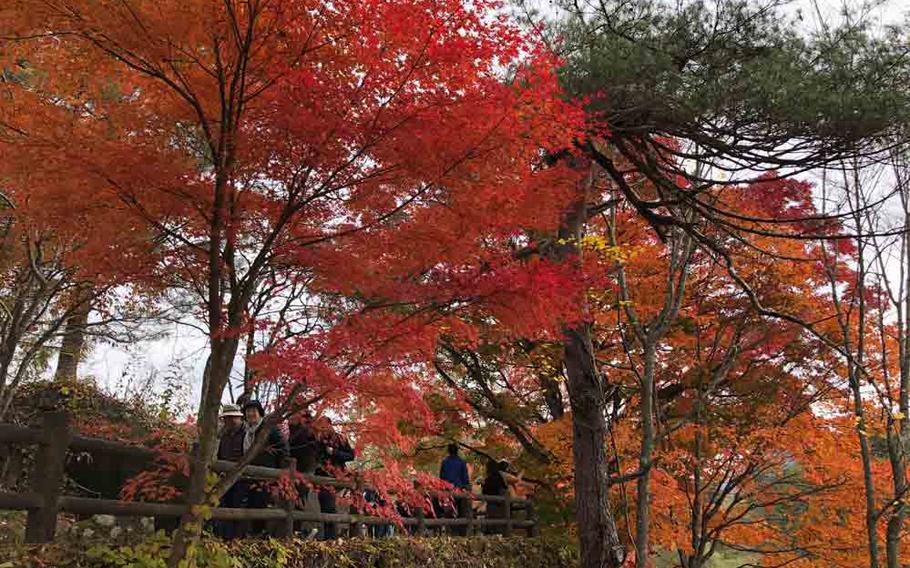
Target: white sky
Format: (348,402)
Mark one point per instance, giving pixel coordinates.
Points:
(183,351)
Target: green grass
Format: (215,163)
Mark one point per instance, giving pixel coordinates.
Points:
(723,558)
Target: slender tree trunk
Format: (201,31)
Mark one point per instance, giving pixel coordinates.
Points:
(643,498)
(897,454)
(855,370)
(73,344)
(896,522)
(552,396)
(868,482)
(899,469)
(899,444)
(248,374)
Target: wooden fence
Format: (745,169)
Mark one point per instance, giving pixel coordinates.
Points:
(55,439)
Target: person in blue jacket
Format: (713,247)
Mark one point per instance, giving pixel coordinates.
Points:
(455,470)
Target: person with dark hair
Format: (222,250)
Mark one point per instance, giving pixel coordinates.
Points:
(273,454)
(335,453)
(305,446)
(306,449)
(494,484)
(455,470)
(276,448)
(375,501)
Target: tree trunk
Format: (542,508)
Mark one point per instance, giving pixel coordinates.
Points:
(855,373)
(552,396)
(899,441)
(866,455)
(643,498)
(219,369)
(893,539)
(598,536)
(897,450)
(73,344)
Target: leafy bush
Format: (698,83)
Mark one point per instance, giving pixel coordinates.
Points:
(436,552)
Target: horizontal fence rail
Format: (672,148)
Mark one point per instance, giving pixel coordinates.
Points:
(45,500)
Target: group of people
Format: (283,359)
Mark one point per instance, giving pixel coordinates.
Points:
(496,482)
(316,446)
(322,451)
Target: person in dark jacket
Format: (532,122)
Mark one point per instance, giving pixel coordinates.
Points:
(305,445)
(230,443)
(335,453)
(336,449)
(455,470)
(276,447)
(230,447)
(495,484)
(273,454)
(306,449)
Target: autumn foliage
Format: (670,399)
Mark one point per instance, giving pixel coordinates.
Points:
(368,209)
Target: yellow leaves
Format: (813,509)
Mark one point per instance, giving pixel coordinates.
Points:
(596,242)
(203,512)
(599,244)
(898,416)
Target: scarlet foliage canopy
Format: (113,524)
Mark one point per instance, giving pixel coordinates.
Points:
(381,158)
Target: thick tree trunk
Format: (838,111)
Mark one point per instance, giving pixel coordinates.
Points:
(73,344)
(222,316)
(219,369)
(598,536)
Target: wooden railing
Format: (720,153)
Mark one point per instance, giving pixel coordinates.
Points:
(46,500)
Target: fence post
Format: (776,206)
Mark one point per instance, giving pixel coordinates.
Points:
(421,522)
(508,505)
(469,513)
(358,529)
(48,476)
(533,530)
(289,504)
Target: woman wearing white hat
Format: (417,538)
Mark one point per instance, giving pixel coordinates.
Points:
(230,447)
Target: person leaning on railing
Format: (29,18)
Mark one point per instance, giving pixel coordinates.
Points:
(230,447)
(495,484)
(455,470)
(273,454)
(335,453)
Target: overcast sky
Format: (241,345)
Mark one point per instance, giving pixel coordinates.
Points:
(183,351)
